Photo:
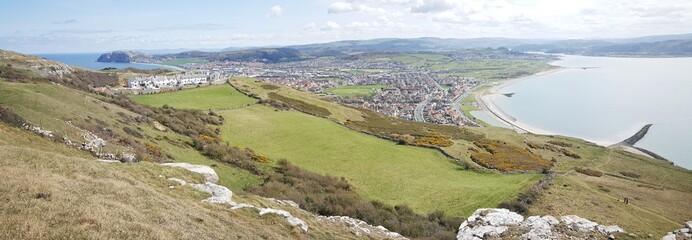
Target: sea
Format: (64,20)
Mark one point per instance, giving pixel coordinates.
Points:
(88,61)
(609,99)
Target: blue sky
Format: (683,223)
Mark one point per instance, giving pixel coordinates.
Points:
(34,26)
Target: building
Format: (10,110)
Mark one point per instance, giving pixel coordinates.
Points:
(171,81)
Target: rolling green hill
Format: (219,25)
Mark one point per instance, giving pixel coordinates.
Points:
(376,167)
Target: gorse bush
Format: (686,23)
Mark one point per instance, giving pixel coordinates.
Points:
(505,157)
(243,158)
(183,121)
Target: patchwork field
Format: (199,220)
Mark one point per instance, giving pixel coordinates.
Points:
(354,90)
(211,97)
(377,168)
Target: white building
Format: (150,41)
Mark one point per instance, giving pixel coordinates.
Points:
(172,81)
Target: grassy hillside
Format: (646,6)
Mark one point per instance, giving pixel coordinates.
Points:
(212,97)
(112,197)
(377,168)
(658,191)
(49,195)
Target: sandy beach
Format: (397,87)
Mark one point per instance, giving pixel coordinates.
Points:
(485,100)
(163,66)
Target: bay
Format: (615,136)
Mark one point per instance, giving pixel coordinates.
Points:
(608,99)
(88,61)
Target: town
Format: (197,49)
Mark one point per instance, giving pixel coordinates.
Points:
(399,89)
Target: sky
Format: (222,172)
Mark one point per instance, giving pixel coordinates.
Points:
(91,26)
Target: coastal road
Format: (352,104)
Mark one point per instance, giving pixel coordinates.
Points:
(456,105)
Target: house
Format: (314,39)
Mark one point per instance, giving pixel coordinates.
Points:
(169,81)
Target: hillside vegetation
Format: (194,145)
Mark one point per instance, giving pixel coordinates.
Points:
(376,167)
(661,189)
(340,160)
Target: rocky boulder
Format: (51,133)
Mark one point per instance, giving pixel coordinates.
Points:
(494,223)
(683,233)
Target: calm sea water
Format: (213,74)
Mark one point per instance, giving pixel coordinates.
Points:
(612,102)
(88,60)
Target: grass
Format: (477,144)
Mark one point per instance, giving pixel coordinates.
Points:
(211,97)
(376,167)
(492,70)
(355,90)
(338,112)
(420,60)
(48,195)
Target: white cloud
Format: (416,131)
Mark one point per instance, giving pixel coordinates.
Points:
(341,7)
(275,11)
(330,26)
(354,6)
(448,17)
(432,6)
(311,26)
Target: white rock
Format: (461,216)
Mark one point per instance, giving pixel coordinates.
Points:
(241,205)
(206,171)
(670,236)
(178,180)
(293,221)
(540,227)
(360,227)
(219,194)
(578,223)
(609,229)
(688,224)
(108,161)
(487,222)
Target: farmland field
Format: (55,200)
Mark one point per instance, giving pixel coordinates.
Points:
(211,97)
(377,168)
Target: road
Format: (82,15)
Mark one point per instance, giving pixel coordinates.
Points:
(418,111)
(456,105)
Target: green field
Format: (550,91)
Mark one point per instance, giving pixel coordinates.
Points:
(181,61)
(379,169)
(354,90)
(496,69)
(211,97)
(420,60)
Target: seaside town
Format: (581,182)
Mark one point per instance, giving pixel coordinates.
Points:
(397,89)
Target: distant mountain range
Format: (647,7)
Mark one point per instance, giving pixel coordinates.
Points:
(660,45)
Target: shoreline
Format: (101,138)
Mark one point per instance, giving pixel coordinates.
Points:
(487,105)
(161,65)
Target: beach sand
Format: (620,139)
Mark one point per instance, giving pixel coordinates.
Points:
(485,100)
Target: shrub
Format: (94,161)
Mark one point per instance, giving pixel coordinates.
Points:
(269,87)
(589,172)
(514,206)
(560,143)
(435,140)
(301,106)
(11,118)
(132,132)
(504,157)
(630,174)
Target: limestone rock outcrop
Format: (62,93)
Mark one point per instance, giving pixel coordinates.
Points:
(498,223)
